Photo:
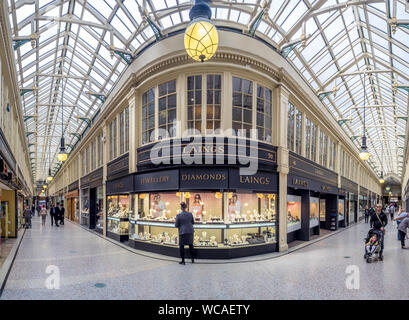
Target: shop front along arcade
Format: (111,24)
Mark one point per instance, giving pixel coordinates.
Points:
(235,214)
(312,199)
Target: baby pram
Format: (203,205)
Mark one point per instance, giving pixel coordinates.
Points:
(373,243)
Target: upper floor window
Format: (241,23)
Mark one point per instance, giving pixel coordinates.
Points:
(264,113)
(310,140)
(124,131)
(242,106)
(332,155)
(148,116)
(93,155)
(167,107)
(323,149)
(294,129)
(113,139)
(208,113)
(100,143)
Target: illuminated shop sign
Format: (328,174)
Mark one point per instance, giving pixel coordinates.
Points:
(262,181)
(198,178)
(247,154)
(156,181)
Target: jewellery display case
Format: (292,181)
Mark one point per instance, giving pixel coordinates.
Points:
(85,206)
(248,221)
(293,213)
(314,212)
(323,211)
(99,226)
(118,217)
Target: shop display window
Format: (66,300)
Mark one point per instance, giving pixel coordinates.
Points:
(293,213)
(323,210)
(341,209)
(77,209)
(248,218)
(351,211)
(100,208)
(314,212)
(118,213)
(85,206)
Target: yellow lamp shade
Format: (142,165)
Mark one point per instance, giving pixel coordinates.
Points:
(141,196)
(364,155)
(201,40)
(260,195)
(62,156)
(44,186)
(49,179)
(187,195)
(218,195)
(381,180)
(178,194)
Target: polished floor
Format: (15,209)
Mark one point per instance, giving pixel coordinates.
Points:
(91,267)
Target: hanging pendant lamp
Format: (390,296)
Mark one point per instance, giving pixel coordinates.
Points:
(364,154)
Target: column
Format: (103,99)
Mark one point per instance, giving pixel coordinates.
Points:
(338,162)
(132,102)
(104,173)
(280,128)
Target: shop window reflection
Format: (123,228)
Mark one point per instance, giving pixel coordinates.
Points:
(293,213)
(221,219)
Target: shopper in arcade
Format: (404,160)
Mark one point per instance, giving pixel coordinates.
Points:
(366,214)
(62,214)
(184,222)
(379,220)
(57,214)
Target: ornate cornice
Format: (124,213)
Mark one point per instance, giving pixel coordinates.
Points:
(182,59)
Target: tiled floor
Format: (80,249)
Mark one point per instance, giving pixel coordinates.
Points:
(317,271)
(5,247)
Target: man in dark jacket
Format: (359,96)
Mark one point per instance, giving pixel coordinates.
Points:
(62,213)
(27,216)
(379,220)
(184,222)
(54,212)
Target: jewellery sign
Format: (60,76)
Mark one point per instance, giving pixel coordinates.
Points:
(157,181)
(246,153)
(261,181)
(123,185)
(199,177)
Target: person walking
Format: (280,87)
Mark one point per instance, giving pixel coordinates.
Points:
(371,214)
(33,210)
(38,210)
(27,216)
(379,220)
(392,211)
(62,213)
(366,214)
(43,214)
(402,229)
(184,223)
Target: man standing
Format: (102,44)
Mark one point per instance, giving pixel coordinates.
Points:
(379,220)
(402,229)
(62,213)
(184,222)
(57,214)
(33,210)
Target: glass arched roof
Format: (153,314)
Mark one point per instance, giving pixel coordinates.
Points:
(344,39)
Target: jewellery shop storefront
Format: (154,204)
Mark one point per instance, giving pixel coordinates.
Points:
(72,203)
(363,202)
(235,215)
(92,199)
(312,199)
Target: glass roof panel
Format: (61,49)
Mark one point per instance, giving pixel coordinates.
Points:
(359,36)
